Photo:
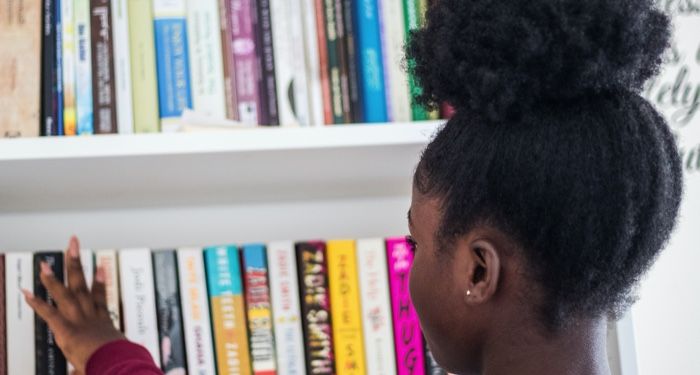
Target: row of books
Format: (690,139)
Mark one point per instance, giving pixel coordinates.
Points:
(124,66)
(314,307)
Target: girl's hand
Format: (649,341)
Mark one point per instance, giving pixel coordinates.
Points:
(80,321)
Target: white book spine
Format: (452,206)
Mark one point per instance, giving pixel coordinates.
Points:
(87,260)
(396,78)
(122,67)
(138,299)
(290,66)
(376,308)
(284,293)
(83,61)
(195,311)
(19,274)
(107,260)
(206,61)
(313,64)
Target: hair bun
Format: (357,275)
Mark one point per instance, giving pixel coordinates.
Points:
(500,58)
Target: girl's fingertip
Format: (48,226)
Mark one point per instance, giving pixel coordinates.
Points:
(27,294)
(46,269)
(100,275)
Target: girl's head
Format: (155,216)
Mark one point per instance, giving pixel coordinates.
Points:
(555,185)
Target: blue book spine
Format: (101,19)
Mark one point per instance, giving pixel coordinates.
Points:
(59,67)
(223,271)
(371,66)
(173,66)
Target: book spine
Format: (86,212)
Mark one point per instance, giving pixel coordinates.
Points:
(83,75)
(49,121)
(169,315)
(376,308)
(323,61)
(225,287)
(3,319)
(122,67)
(333,66)
(139,300)
(107,260)
(19,274)
(142,51)
(343,63)
(268,113)
(315,307)
(87,261)
(49,358)
(206,61)
(412,19)
(245,60)
(422,10)
(229,64)
(408,338)
(357,109)
(345,309)
(312,63)
(284,291)
(257,295)
(69,66)
(58,66)
(370,61)
(196,318)
(432,367)
(103,90)
(172,60)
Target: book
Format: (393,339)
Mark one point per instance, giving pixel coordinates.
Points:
(69,66)
(341,46)
(172,60)
(376,308)
(345,307)
(408,339)
(21,99)
(122,67)
(58,66)
(87,262)
(393,36)
(323,58)
(107,260)
(19,274)
(83,68)
(284,291)
(257,297)
(49,359)
(312,63)
(267,111)
(195,314)
(225,287)
(103,81)
(334,48)
(413,18)
(138,299)
(142,52)
(206,60)
(315,307)
(47,48)
(243,45)
(370,64)
(168,312)
(351,50)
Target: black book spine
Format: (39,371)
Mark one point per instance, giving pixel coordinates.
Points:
(49,358)
(349,22)
(169,314)
(103,82)
(49,75)
(266,62)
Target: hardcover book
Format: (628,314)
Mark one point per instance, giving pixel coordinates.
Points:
(83,68)
(49,358)
(107,260)
(103,83)
(142,51)
(168,312)
(19,274)
(122,67)
(69,66)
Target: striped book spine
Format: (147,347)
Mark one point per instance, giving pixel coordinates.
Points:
(225,287)
(246,67)
(49,358)
(122,67)
(168,311)
(69,66)
(19,274)
(142,51)
(83,76)
(107,260)
(371,65)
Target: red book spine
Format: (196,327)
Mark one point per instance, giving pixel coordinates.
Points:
(323,60)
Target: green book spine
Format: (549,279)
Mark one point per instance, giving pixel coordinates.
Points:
(143,66)
(414,11)
(334,61)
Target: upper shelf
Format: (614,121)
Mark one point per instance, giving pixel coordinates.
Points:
(232,167)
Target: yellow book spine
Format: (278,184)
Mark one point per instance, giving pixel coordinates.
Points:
(231,339)
(345,307)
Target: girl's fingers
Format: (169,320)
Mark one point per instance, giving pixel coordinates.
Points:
(64,299)
(99,290)
(76,277)
(45,311)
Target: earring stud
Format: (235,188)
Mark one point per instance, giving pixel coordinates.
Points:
(469,292)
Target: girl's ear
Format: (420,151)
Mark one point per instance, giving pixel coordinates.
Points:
(482,264)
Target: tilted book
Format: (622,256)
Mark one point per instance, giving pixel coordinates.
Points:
(83,68)
(122,66)
(103,81)
(19,274)
(142,51)
(107,260)
(168,311)
(49,358)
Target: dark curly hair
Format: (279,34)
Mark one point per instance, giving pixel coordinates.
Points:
(551,142)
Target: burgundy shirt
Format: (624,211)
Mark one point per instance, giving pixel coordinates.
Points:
(121,357)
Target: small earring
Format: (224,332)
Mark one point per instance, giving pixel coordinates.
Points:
(469,292)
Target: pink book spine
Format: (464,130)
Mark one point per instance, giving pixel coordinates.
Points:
(408,337)
(245,59)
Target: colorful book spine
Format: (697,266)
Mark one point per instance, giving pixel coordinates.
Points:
(313,63)
(69,66)
(107,260)
(320,12)
(3,319)
(103,82)
(334,61)
(19,274)
(432,367)
(413,18)
(169,314)
(376,308)
(351,50)
(197,324)
(315,307)
(225,287)
(267,112)
(371,67)
(142,51)
(245,60)
(345,308)
(122,67)
(47,46)
(58,66)
(257,293)
(139,300)
(172,60)
(229,64)
(49,358)
(83,69)
(284,290)
(408,338)
(206,60)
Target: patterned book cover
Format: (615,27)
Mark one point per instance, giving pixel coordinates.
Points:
(83,68)
(257,295)
(345,308)
(393,35)
(350,31)
(315,307)
(408,338)
(267,111)
(122,67)
(225,12)
(195,315)
(19,274)
(3,321)
(69,66)
(433,368)
(371,65)
(246,69)
(314,73)
(284,290)
(376,308)
(49,358)
(103,83)
(20,38)
(168,313)
(225,287)
(142,51)
(107,260)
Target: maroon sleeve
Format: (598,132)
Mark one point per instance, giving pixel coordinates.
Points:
(121,357)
